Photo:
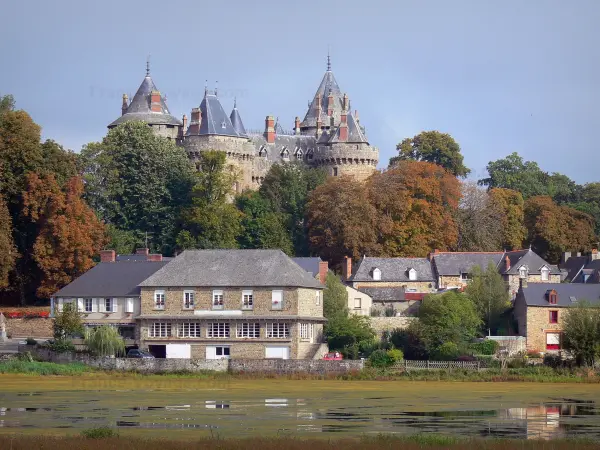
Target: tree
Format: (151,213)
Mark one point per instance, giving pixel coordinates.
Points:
(286,188)
(488,293)
(7,103)
(479,221)
(581,333)
(341,220)
(416,204)
(335,297)
(553,229)
(67,323)
(105,341)
(8,252)
(411,341)
(262,228)
(448,317)
(211,221)
(70,234)
(589,203)
(346,333)
(510,206)
(434,147)
(138,182)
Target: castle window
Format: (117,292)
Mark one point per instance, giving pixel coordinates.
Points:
(285,154)
(335,171)
(262,151)
(223,125)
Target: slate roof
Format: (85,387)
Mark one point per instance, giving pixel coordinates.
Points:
(309,263)
(236,122)
(393,269)
(455,263)
(535,294)
(138,258)
(328,84)
(111,279)
(139,109)
(528,258)
(214,120)
(227,268)
(590,273)
(383,294)
(355,133)
(573,266)
(291,142)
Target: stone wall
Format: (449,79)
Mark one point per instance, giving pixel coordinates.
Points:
(381,324)
(36,328)
(291,366)
(538,325)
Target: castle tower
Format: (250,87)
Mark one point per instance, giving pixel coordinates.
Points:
(150,106)
(236,120)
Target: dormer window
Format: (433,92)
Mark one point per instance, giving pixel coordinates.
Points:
(412,274)
(545,273)
(523,272)
(299,153)
(310,153)
(376,274)
(262,151)
(285,154)
(552,297)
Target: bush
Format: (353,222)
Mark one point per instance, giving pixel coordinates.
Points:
(99,433)
(517,363)
(380,358)
(31,341)
(395,355)
(61,346)
(534,354)
(485,347)
(448,351)
(553,361)
(105,341)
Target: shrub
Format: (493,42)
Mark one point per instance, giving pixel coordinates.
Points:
(31,341)
(395,355)
(485,347)
(380,358)
(553,361)
(61,346)
(534,354)
(105,341)
(99,433)
(366,348)
(448,351)
(517,363)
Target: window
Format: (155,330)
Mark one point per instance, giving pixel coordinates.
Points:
(335,171)
(552,297)
(464,276)
(108,305)
(160,329)
(218,330)
(278,330)
(190,329)
(553,316)
(247,300)
(188,299)
(88,304)
(412,274)
(248,330)
(217,302)
(545,274)
(277,300)
(285,154)
(262,151)
(159,299)
(317,298)
(523,272)
(553,341)
(376,274)
(306,331)
(222,351)
(357,303)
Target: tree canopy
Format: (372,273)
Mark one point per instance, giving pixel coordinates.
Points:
(510,206)
(487,291)
(479,221)
(434,147)
(581,333)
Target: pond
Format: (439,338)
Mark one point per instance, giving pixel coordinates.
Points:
(183,408)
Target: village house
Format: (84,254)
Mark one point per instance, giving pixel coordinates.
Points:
(108,294)
(232,303)
(540,310)
(580,268)
(359,303)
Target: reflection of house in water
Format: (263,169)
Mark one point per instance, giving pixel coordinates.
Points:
(211,404)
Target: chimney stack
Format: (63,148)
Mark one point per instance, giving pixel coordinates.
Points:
(195,121)
(270,129)
(184,120)
(347,269)
(345,103)
(594,255)
(323,269)
(142,251)
(506,262)
(356,117)
(344,120)
(125,104)
(565,257)
(155,257)
(319,122)
(330,104)
(297,125)
(155,101)
(107,256)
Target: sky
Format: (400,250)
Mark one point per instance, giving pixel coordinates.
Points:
(499,76)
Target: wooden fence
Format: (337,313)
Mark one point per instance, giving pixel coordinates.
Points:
(438,365)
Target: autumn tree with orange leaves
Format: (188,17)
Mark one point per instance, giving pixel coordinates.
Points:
(70,234)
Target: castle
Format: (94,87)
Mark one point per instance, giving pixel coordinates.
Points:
(330,135)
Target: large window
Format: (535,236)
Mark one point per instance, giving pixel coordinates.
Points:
(277,300)
(248,330)
(553,341)
(278,330)
(190,329)
(218,330)
(88,304)
(159,299)
(247,300)
(160,329)
(188,299)
(217,300)
(306,331)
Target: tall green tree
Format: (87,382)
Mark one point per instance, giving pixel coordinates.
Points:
(8,251)
(488,293)
(510,206)
(434,147)
(581,333)
(212,221)
(589,203)
(139,182)
(335,297)
(286,187)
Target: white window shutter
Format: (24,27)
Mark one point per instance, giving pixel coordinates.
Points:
(79,304)
(129,305)
(94,305)
(115,304)
(60,304)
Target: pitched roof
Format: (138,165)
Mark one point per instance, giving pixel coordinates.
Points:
(214,120)
(455,263)
(528,258)
(140,108)
(393,269)
(573,266)
(111,279)
(225,268)
(328,84)
(590,273)
(291,142)
(309,263)
(355,133)
(536,294)
(236,122)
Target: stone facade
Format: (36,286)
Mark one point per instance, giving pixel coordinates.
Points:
(34,328)
(536,325)
(382,324)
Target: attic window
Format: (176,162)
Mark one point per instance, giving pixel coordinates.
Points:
(412,274)
(552,297)
(299,153)
(285,154)
(545,274)
(464,276)
(262,151)
(223,125)
(522,272)
(376,274)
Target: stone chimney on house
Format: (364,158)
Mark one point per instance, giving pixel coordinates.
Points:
(297,125)
(344,121)
(506,262)
(594,255)
(154,257)
(185,123)
(270,129)
(432,254)
(330,103)
(125,104)
(319,131)
(142,251)
(347,268)
(195,121)
(155,101)
(108,256)
(323,269)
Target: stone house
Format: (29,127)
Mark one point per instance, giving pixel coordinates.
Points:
(580,268)
(540,308)
(108,294)
(232,303)
(359,303)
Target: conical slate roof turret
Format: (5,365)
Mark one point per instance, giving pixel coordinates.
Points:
(236,121)
(214,119)
(328,87)
(355,133)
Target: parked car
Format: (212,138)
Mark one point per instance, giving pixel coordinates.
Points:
(137,353)
(333,356)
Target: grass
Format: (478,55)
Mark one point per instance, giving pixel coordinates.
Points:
(381,442)
(43,368)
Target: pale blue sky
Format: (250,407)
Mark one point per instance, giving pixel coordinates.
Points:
(499,76)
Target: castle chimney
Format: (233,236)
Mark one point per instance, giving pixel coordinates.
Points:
(323,269)
(319,122)
(330,103)
(356,116)
(270,129)
(345,103)
(184,120)
(297,125)
(195,120)
(125,104)
(107,256)
(343,127)
(155,101)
